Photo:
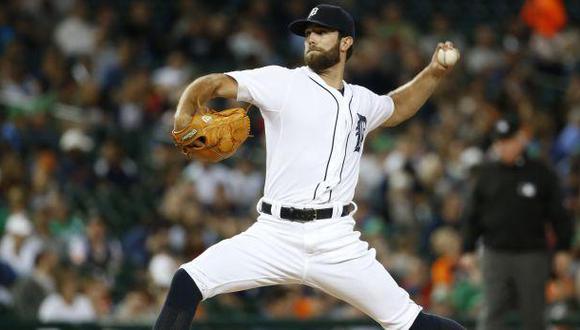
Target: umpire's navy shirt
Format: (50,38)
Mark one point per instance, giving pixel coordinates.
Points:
(510,206)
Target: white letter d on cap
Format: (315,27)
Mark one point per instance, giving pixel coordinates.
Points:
(313,12)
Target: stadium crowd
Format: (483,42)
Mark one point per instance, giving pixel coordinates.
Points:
(98,209)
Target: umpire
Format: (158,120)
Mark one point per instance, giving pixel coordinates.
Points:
(514,200)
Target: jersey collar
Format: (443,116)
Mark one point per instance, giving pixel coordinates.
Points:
(321,81)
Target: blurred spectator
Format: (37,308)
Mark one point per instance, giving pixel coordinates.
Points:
(568,142)
(441,29)
(15,197)
(7,278)
(30,291)
(208,181)
(560,290)
(17,86)
(162,264)
(278,302)
(114,166)
(75,35)
(137,307)
(466,296)
(170,78)
(545,17)
(75,139)
(485,55)
(394,28)
(132,106)
(98,292)
(161,269)
(96,251)
(250,42)
(63,223)
(67,304)
(6,31)
(19,245)
(244,186)
(447,246)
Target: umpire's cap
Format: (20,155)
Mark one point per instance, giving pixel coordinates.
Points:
(506,127)
(329,16)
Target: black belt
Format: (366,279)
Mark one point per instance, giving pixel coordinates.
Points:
(294,214)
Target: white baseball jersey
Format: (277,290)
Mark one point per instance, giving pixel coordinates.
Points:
(314,141)
(314,133)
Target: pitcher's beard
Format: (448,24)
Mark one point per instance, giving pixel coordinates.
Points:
(321,60)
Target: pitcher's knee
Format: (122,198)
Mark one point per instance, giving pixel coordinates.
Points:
(183,292)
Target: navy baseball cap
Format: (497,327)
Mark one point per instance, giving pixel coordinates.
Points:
(329,16)
(505,128)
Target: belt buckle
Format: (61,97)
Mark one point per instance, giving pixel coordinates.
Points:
(302,215)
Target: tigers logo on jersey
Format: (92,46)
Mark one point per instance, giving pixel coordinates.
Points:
(361,125)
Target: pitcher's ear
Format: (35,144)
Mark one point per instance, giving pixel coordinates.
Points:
(346,42)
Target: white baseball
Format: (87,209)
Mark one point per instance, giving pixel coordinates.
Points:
(447,57)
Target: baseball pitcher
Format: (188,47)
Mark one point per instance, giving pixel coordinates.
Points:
(316,124)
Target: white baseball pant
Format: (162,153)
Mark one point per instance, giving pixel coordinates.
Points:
(324,254)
